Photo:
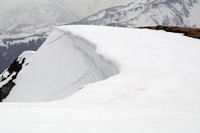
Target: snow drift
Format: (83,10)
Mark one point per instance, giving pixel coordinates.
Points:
(60,67)
(157,89)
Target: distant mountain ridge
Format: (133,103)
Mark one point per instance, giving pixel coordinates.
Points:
(33,14)
(15,41)
(149,13)
(28,12)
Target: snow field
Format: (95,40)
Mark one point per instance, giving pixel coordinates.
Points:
(155,90)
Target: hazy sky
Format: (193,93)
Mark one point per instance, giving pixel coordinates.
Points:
(11,11)
(80,6)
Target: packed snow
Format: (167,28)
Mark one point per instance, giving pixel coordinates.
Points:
(153,88)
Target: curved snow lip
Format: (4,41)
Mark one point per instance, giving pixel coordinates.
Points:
(107,67)
(102,68)
(115,67)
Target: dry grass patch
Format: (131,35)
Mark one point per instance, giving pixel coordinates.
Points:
(190,32)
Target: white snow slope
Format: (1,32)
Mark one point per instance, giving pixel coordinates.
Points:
(157,88)
(59,68)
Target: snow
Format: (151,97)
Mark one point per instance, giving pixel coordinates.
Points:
(15,14)
(99,16)
(60,74)
(25,34)
(155,90)
(193,16)
(25,55)
(149,13)
(9,76)
(7,80)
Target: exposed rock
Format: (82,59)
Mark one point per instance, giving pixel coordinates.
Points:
(5,90)
(13,71)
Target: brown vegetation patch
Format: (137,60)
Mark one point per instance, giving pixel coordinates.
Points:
(190,32)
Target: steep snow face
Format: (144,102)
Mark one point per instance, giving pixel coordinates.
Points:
(155,91)
(148,13)
(61,66)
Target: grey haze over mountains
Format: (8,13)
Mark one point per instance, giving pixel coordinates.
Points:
(15,14)
(184,13)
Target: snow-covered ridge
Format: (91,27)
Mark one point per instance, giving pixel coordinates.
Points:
(63,73)
(157,85)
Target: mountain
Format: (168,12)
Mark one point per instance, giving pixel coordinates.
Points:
(10,52)
(25,24)
(14,15)
(149,13)
(104,79)
(16,41)
(36,13)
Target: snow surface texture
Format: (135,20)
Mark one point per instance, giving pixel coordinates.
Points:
(149,13)
(156,90)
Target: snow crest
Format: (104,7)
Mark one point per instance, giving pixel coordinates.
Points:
(54,75)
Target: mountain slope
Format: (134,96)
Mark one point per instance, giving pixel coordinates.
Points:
(157,84)
(16,41)
(149,13)
(36,13)
(9,75)
(15,14)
